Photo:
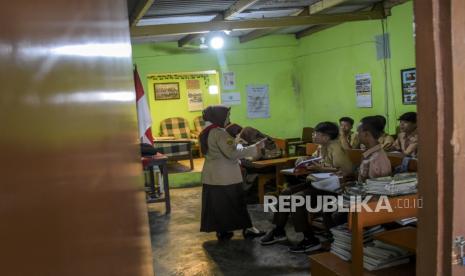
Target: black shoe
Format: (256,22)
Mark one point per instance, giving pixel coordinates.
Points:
(224,236)
(273,237)
(252,232)
(305,246)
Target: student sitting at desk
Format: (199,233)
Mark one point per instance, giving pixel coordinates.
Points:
(333,155)
(333,158)
(348,138)
(375,162)
(407,140)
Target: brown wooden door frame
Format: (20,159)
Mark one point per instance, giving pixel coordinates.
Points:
(441,112)
(458,140)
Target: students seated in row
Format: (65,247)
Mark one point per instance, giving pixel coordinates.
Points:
(407,140)
(333,158)
(375,162)
(348,138)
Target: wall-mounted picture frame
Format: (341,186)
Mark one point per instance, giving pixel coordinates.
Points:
(166,91)
(409,85)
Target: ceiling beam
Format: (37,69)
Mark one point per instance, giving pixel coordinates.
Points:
(139,10)
(190,37)
(220,25)
(312,9)
(324,5)
(263,32)
(314,29)
(235,9)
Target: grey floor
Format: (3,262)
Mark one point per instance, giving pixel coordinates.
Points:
(180,249)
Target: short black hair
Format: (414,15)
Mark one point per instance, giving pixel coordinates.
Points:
(328,128)
(409,117)
(347,119)
(382,119)
(373,125)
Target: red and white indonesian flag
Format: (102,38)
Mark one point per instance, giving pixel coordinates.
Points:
(143,112)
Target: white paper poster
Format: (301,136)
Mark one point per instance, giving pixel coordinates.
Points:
(194,99)
(258,101)
(229,81)
(363,90)
(231,98)
(194,95)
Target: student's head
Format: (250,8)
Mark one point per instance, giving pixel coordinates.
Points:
(346,124)
(217,114)
(408,122)
(233,129)
(370,129)
(382,120)
(325,132)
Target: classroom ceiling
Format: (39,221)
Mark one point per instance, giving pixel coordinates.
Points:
(189,22)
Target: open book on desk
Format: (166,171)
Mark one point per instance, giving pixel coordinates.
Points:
(303,164)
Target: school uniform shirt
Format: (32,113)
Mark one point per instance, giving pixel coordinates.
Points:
(334,156)
(222,159)
(407,143)
(385,140)
(375,163)
(351,142)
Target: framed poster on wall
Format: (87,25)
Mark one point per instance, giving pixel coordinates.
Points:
(409,85)
(166,91)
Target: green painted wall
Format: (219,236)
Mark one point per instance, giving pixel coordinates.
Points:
(266,61)
(310,80)
(328,61)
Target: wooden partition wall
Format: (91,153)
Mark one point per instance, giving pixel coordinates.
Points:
(71,200)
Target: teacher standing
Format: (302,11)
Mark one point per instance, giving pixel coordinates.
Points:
(223,203)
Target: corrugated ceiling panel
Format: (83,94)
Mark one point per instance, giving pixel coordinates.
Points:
(267,4)
(169,7)
(175,20)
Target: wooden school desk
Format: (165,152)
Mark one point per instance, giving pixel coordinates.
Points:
(278,164)
(329,264)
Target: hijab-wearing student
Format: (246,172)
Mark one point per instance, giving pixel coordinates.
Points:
(333,158)
(384,139)
(348,138)
(407,140)
(375,162)
(223,204)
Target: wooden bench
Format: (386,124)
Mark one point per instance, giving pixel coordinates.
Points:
(329,264)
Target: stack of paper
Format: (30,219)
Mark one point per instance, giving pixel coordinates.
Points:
(379,255)
(406,221)
(399,184)
(342,243)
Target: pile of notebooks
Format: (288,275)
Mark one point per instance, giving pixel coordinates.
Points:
(378,255)
(342,243)
(399,184)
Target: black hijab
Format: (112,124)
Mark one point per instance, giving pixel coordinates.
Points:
(217,115)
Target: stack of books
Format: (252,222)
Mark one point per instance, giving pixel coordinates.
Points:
(342,243)
(378,255)
(399,184)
